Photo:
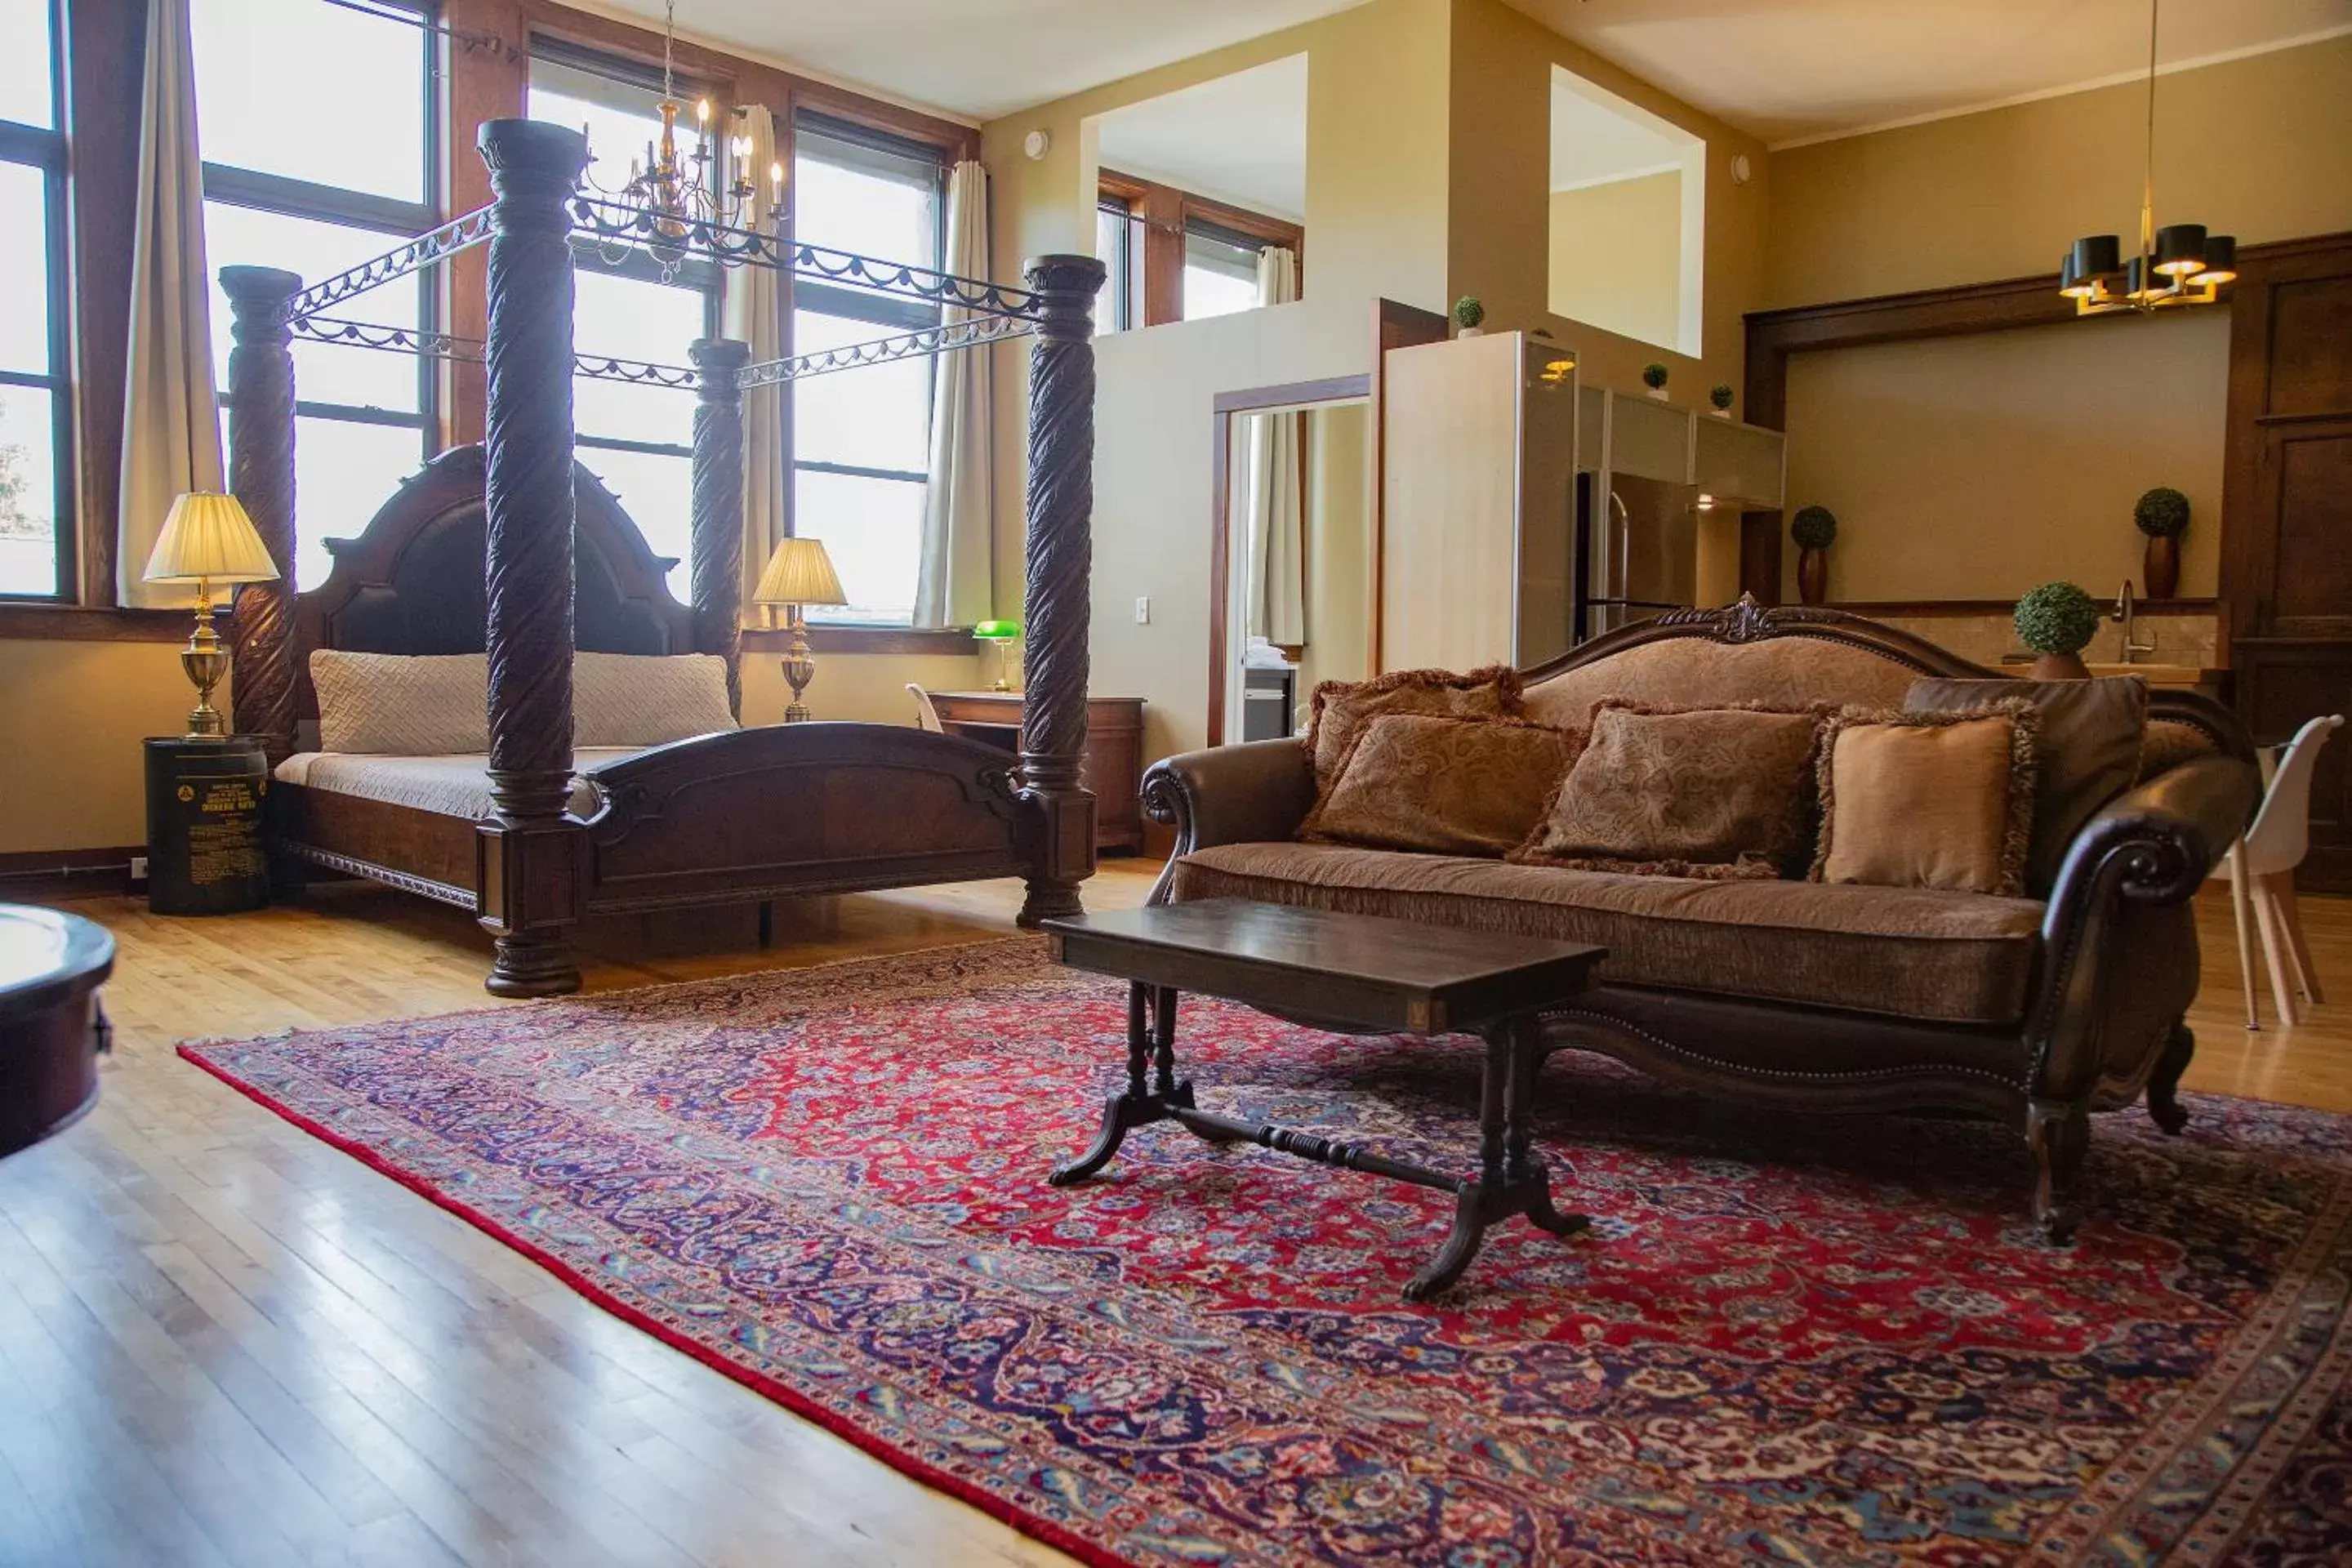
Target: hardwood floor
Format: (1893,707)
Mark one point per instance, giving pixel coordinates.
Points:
(223,1342)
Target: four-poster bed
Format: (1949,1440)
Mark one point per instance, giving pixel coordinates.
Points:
(509,549)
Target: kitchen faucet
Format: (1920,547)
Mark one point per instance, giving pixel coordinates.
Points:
(2126,611)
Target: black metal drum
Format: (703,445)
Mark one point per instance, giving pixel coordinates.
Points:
(205,854)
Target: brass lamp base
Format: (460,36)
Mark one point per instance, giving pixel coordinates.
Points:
(800,666)
(206,662)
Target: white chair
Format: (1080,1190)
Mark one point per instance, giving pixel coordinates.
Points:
(2261,869)
(925,714)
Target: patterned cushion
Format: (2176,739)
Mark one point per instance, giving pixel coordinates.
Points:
(1683,792)
(1341,708)
(1929,800)
(2088,751)
(400,705)
(634,700)
(1458,787)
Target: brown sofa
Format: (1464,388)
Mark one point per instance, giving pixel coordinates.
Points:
(2030,1010)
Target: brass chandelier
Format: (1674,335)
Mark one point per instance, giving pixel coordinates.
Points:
(677,189)
(2178,264)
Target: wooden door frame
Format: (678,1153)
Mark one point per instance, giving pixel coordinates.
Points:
(1302,395)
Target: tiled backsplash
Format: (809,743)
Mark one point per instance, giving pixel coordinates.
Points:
(2179,637)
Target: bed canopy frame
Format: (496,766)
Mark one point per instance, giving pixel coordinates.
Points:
(741,817)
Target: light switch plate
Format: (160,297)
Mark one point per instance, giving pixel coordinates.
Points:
(1143,611)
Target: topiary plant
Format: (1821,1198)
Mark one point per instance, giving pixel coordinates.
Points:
(2057,618)
(2162,513)
(1813,527)
(1468,311)
(1720,394)
(1653,376)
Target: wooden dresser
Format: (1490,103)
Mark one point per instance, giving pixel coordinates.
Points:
(1114,765)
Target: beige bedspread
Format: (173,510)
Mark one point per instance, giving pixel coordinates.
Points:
(450,786)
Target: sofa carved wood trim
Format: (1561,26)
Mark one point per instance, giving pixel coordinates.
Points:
(2115,957)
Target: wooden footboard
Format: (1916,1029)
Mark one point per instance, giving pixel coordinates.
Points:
(419,851)
(798,808)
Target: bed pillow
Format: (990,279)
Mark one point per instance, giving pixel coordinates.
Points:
(1453,787)
(402,705)
(1929,800)
(641,699)
(1714,792)
(2087,750)
(1341,708)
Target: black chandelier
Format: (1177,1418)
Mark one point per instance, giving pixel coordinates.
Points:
(2178,264)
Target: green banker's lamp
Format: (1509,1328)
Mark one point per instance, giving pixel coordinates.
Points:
(1002,636)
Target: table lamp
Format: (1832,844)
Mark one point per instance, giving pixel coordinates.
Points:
(1003,635)
(799,574)
(208,538)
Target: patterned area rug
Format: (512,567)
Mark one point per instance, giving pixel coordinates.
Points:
(1785,1341)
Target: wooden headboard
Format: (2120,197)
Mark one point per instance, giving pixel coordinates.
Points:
(413,582)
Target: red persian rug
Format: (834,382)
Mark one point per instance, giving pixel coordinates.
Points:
(1785,1341)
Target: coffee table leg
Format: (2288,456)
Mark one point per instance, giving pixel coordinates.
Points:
(1509,1180)
(1143,1103)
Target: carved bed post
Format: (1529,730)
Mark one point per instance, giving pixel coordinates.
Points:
(716,528)
(261,476)
(532,855)
(1060,847)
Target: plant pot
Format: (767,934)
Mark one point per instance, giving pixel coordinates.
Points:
(2060,666)
(1657,392)
(1813,576)
(2162,568)
(1470,333)
(1721,412)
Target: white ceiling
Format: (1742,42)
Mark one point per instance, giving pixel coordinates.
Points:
(1598,137)
(978,58)
(1240,139)
(1787,70)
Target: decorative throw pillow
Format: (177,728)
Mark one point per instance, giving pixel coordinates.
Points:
(1341,708)
(1453,786)
(1929,800)
(647,700)
(2087,750)
(1682,791)
(402,705)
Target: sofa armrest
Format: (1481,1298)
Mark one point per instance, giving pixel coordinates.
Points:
(1247,793)
(2155,845)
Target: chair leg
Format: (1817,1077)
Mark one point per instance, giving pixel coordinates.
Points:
(2275,954)
(2241,905)
(2298,951)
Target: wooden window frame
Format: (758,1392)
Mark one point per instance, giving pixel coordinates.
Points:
(44,151)
(1168,215)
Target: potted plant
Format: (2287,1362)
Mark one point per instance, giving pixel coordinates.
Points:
(1814,528)
(1467,315)
(1653,376)
(2163,515)
(2057,621)
(1719,397)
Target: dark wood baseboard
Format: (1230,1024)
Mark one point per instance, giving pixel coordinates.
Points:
(42,875)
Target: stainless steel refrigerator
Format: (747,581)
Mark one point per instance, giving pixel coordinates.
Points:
(1637,519)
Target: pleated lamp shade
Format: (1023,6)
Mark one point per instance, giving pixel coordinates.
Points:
(209,537)
(800,573)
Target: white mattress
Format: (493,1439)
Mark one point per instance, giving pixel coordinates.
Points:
(450,786)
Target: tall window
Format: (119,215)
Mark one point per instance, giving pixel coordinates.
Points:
(37,555)
(861,438)
(315,124)
(638,439)
(1176,257)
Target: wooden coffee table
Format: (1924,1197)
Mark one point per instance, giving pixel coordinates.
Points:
(1356,974)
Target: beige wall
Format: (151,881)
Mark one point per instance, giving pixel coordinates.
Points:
(1339,547)
(78,711)
(2258,147)
(1616,256)
(1499,212)
(1977,467)
(1377,197)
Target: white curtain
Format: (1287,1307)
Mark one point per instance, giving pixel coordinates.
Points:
(956,585)
(171,420)
(750,311)
(1277,606)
